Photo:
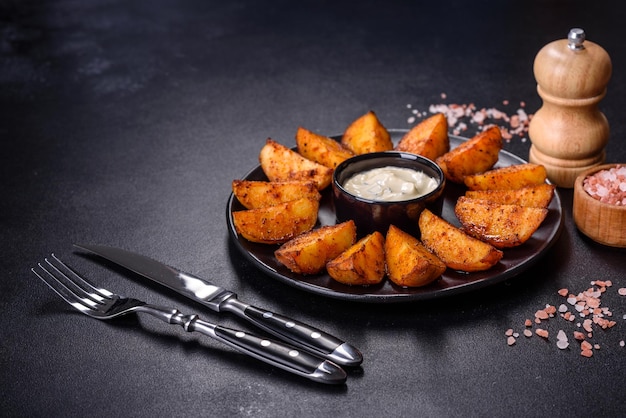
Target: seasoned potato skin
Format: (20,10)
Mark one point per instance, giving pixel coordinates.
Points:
(321,149)
(361,264)
(309,252)
(454,247)
(409,263)
(262,194)
(429,138)
(277,224)
(511,177)
(475,155)
(501,225)
(538,196)
(280,163)
(367,134)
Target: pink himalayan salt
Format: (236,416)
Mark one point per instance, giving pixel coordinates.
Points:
(608,186)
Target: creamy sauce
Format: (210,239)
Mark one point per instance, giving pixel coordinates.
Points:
(390,184)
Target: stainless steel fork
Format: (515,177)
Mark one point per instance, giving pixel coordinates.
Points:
(102,304)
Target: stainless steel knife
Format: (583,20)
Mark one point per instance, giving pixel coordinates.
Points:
(222,300)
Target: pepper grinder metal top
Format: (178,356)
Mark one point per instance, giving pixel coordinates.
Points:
(568,133)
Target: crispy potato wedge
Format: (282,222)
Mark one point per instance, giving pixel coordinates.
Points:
(455,248)
(361,264)
(321,149)
(309,252)
(475,155)
(429,138)
(277,224)
(510,177)
(366,134)
(280,163)
(409,263)
(262,194)
(501,225)
(538,196)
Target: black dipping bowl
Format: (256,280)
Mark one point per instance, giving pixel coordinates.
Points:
(371,215)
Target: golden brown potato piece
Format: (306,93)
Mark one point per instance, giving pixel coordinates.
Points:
(361,264)
(321,149)
(454,247)
(262,194)
(473,156)
(429,138)
(538,196)
(511,177)
(277,224)
(280,163)
(409,263)
(366,134)
(503,226)
(309,253)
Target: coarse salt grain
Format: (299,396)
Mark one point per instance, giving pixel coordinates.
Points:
(562,344)
(460,116)
(588,304)
(608,186)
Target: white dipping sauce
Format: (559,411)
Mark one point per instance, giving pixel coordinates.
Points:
(390,184)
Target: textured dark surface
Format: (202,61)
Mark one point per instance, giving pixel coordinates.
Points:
(124,122)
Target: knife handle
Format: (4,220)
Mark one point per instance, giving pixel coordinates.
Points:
(276,353)
(297,333)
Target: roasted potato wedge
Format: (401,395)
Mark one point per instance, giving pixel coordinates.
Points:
(366,134)
(538,196)
(309,252)
(321,149)
(409,263)
(361,264)
(277,224)
(262,194)
(510,177)
(455,248)
(475,155)
(503,226)
(429,138)
(280,163)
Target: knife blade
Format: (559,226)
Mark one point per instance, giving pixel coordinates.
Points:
(221,300)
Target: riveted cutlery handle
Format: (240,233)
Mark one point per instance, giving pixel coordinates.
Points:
(269,351)
(296,333)
(275,353)
(305,336)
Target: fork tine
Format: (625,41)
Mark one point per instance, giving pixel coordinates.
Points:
(85,295)
(62,290)
(79,281)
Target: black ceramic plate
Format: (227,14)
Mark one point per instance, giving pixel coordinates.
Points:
(515,260)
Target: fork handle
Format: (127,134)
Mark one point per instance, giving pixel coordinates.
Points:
(296,333)
(269,351)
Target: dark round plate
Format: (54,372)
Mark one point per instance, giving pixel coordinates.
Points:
(515,260)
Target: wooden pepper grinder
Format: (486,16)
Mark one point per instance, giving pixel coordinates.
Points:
(568,133)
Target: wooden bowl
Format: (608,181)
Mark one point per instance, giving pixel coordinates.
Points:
(602,222)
